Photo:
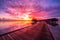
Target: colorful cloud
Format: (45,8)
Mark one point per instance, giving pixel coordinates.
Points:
(36,8)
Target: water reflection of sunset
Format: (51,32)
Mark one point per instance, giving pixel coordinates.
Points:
(17,22)
(8,24)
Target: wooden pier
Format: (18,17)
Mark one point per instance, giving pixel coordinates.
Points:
(38,31)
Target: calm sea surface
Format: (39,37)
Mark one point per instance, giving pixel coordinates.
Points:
(7,26)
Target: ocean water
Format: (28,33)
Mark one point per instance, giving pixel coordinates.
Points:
(55,30)
(8,26)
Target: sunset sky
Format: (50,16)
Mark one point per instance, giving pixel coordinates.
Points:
(16,9)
